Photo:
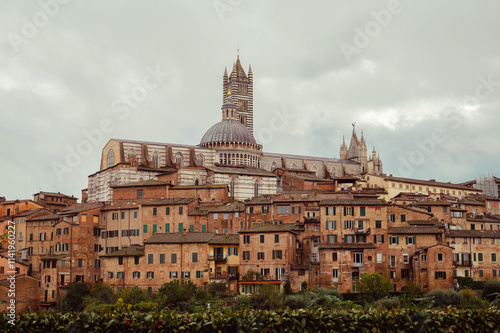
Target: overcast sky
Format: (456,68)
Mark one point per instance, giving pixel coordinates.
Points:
(421,78)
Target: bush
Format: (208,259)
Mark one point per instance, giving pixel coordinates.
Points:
(242,302)
(373,286)
(266,297)
(443,298)
(171,294)
(74,300)
(217,289)
(388,303)
(468,282)
(490,288)
(249,275)
(298,301)
(133,295)
(324,297)
(101,294)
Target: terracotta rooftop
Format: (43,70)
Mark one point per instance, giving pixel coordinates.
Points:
(430,183)
(431,203)
(197,187)
(353,202)
(224,239)
(81,207)
(130,251)
(150,182)
(58,194)
(180,237)
(241,171)
(414,230)
(474,233)
(172,201)
(268,227)
(45,217)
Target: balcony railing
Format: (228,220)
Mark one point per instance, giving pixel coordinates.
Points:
(218,257)
(465,263)
(357,264)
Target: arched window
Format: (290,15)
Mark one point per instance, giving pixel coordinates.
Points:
(231,188)
(332,172)
(179,159)
(155,160)
(315,170)
(197,181)
(256,189)
(294,166)
(274,166)
(130,153)
(199,159)
(111,158)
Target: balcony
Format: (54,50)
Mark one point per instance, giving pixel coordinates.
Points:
(365,231)
(462,264)
(357,264)
(311,219)
(218,258)
(224,276)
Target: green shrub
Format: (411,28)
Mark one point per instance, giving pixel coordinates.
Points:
(324,297)
(267,297)
(74,300)
(468,282)
(388,303)
(175,292)
(133,295)
(490,288)
(298,301)
(373,286)
(443,298)
(242,302)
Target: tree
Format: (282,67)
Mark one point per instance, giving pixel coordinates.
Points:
(287,289)
(74,300)
(266,297)
(373,286)
(175,292)
(101,294)
(133,295)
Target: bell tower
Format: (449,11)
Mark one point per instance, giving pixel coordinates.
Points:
(241,87)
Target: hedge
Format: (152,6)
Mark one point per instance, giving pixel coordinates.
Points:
(304,320)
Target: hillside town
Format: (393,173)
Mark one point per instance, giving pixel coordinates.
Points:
(225,211)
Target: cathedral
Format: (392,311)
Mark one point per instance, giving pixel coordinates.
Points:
(227,154)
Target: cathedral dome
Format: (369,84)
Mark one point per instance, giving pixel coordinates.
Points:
(228,130)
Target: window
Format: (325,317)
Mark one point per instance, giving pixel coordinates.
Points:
(276,238)
(348,211)
(379,258)
(405,273)
(246,239)
(410,239)
(479,240)
(173,258)
(167,210)
(232,251)
(136,260)
(186,275)
(440,275)
(80,262)
(331,211)
(167,227)
(335,275)
(140,194)
(493,257)
(494,272)
(216,216)
(120,275)
(260,255)
(378,238)
(283,209)
(246,255)
(348,225)
(150,259)
(362,211)
(479,257)
(110,275)
(481,273)
(331,225)
(315,228)
(194,257)
(394,240)
(440,257)
(393,274)
(58,232)
(111,158)
(331,238)
(145,229)
(135,215)
(136,275)
(181,228)
(334,256)
(378,224)
(162,258)
(403,217)
(199,274)
(265,209)
(66,231)
(120,260)
(349,239)
(357,258)
(391,218)
(465,240)
(277,254)
(250,210)
(173,275)
(393,261)
(150,275)
(261,239)
(445,209)
(181,210)
(155,211)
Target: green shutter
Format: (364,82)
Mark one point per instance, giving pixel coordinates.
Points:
(145,229)
(167,211)
(335,225)
(345,212)
(274,255)
(191,228)
(155,228)
(203,228)
(180,227)
(345,224)
(406,239)
(327,227)
(414,240)
(362,211)
(382,238)
(397,240)
(167,227)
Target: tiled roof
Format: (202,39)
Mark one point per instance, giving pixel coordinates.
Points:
(414,230)
(124,204)
(58,194)
(420,222)
(233,207)
(82,207)
(354,202)
(311,158)
(347,246)
(45,217)
(429,183)
(224,239)
(487,218)
(413,209)
(268,227)
(130,251)
(431,203)
(197,187)
(28,212)
(172,201)
(53,256)
(180,237)
(150,182)
(241,171)
(474,233)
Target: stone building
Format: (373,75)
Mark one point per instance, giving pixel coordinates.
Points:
(54,201)
(228,154)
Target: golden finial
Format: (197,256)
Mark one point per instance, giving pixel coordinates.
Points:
(229,91)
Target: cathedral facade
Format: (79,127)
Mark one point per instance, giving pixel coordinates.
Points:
(227,154)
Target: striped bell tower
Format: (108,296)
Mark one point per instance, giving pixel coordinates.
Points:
(241,87)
